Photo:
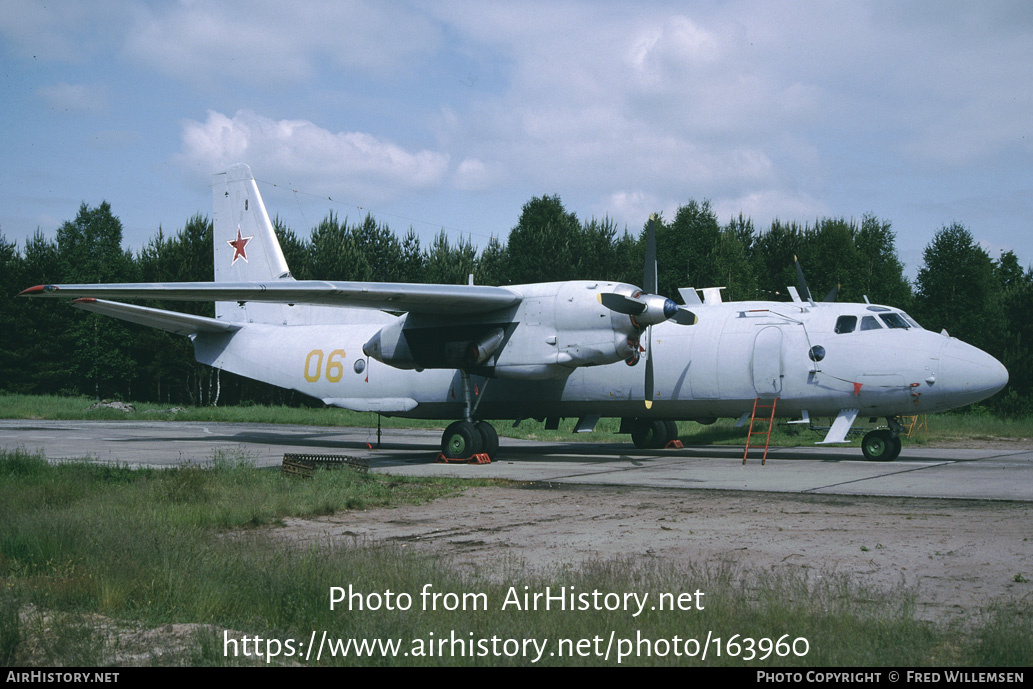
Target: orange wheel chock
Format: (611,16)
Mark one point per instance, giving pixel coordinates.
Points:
(479,458)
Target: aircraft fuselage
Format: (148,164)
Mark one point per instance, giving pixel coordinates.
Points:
(815,358)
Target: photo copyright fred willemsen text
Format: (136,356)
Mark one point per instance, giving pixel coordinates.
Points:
(517,599)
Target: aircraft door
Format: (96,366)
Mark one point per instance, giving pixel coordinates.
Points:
(767,362)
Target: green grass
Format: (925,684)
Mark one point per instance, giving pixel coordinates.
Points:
(88,550)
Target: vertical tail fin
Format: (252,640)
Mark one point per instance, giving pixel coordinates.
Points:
(246,248)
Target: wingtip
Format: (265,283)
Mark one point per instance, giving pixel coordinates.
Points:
(38,289)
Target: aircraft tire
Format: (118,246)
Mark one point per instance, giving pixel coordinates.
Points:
(461,440)
(650,434)
(880,446)
(489,438)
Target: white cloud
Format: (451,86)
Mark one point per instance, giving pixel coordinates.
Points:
(765,205)
(663,52)
(472,175)
(632,208)
(277,43)
(309,155)
(774,110)
(913,111)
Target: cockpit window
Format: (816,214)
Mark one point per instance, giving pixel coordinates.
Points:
(846,324)
(894,320)
(911,321)
(869,323)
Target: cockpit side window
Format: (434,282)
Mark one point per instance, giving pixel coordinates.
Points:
(910,320)
(894,320)
(869,323)
(846,324)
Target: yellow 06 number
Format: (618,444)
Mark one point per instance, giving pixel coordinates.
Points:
(334,366)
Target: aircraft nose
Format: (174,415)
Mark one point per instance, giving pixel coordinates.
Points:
(969,374)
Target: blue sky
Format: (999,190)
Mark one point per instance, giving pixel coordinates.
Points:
(454,114)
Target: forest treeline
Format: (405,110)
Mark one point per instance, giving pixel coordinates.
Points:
(50,348)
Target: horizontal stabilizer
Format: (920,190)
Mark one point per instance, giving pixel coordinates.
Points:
(171,321)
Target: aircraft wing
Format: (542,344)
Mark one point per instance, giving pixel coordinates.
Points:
(173,322)
(387,296)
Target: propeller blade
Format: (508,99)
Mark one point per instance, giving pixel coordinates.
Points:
(621,303)
(685,317)
(649,274)
(802,282)
(831,296)
(649,368)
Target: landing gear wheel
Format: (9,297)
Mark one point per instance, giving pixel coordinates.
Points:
(461,440)
(881,446)
(489,438)
(650,434)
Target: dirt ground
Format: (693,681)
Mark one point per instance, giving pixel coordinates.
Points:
(958,555)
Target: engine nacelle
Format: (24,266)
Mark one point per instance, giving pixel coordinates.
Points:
(421,344)
(556,328)
(391,346)
(562,326)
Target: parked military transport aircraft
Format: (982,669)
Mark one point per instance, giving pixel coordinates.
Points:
(548,350)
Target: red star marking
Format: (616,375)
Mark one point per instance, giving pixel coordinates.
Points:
(238,245)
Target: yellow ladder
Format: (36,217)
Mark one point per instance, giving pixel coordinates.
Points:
(767,434)
(914,423)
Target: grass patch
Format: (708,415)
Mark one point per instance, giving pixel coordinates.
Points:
(106,566)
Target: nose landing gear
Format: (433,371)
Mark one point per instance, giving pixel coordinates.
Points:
(883,445)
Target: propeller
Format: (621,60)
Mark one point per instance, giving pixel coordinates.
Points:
(805,292)
(646,308)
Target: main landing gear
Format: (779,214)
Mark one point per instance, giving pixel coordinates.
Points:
(466,438)
(653,434)
(883,445)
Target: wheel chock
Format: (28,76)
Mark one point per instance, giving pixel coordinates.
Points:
(479,458)
(674,445)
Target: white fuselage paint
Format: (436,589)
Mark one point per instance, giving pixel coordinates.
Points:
(738,351)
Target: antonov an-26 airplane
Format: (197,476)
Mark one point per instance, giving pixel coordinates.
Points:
(548,350)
